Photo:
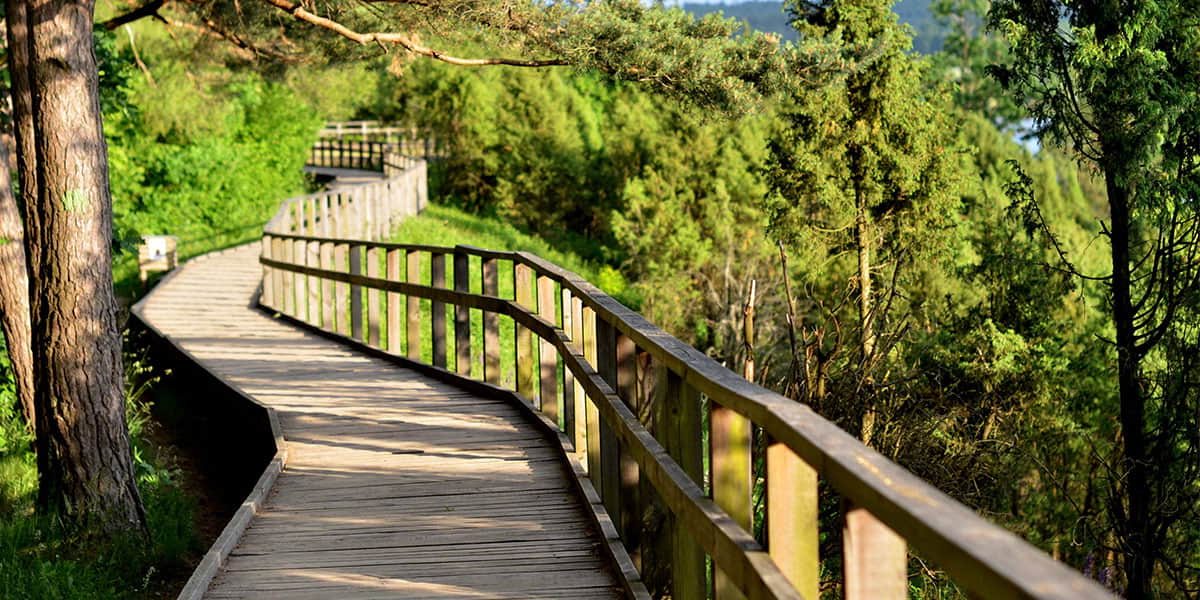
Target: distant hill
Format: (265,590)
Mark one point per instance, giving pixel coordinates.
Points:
(769,17)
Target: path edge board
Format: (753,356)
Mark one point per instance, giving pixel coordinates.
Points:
(204,573)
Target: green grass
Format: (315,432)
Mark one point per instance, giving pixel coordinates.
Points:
(40,559)
(446,226)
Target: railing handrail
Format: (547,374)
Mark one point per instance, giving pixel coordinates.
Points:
(983,557)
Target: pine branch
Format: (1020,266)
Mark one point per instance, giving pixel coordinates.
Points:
(381,38)
(149,9)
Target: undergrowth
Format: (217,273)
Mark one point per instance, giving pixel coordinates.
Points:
(40,558)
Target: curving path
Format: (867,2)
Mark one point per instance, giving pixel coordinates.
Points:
(396,485)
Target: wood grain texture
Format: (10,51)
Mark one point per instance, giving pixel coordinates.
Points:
(396,485)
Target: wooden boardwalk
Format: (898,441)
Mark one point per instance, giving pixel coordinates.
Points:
(396,485)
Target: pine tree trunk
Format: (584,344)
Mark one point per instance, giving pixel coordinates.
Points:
(85,464)
(862,233)
(14,292)
(1139,556)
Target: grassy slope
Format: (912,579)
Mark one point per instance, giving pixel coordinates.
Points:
(445,226)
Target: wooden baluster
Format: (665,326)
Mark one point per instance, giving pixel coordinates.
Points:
(437,279)
(462,316)
(630,502)
(356,303)
(610,456)
(268,278)
(526,351)
(568,388)
(792,511)
(301,281)
(328,307)
(413,328)
(491,324)
(373,298)
(314,284)
(394,309)
(875,558)
(679,430)
(341,291)
(579,435)
(326,220)
(289,294)
(548,357)
(730,438)
(592,414)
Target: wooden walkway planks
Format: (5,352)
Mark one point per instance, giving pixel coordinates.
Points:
(396,485)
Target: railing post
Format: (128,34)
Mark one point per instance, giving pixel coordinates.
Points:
(730,437)
(680,432)
(268,289)
(373,299)
(580,398)
(610,458)
(875,558)
(491,324)
(289,294)
(300,281)
(341,291)
(437,279)
(792,513)
(547,356)
(630,501)
(393,303)
(462,315)
(326,225)
(356,303)
(592,413)
(413,329)
(525,351)
(328,307)
(568,388)
(314,283)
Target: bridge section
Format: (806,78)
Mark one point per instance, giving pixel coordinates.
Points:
(396,485)
(399,486)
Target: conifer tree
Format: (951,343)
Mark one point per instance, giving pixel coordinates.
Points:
(867,169)
(1116,83)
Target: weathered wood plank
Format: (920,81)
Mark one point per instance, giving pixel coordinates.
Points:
(356,293)
(547,356)
(395,306)
(793,537)
(491,323)
(437,322)
(525,350)
(730,440)
(462,316)
(374,314)
(421,488)
(874,557)
(413,325)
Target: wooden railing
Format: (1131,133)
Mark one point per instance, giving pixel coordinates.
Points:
(664,433)
(410,141)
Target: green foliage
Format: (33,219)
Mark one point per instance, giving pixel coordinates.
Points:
(203,157)
(39,558)
(1117,87)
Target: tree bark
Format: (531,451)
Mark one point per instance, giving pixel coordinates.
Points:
(866,339)
(1139,556)
(85,464)
(14,293)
